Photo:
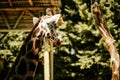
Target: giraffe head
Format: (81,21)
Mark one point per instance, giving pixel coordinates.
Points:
(49,26)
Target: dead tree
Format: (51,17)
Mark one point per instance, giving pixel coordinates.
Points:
(109,41)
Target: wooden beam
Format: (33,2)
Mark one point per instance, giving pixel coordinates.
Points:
(3,37)
(6,20)
(30,13)
(52,2)
(14,30)
(10,2)
(15,25)
(24,8)
(30,2)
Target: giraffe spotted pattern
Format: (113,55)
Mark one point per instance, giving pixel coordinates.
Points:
(26,62)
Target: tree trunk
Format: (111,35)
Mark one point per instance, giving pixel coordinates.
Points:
(107,37)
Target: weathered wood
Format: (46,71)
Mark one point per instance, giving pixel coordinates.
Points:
(24,8)
(11,15)
(14,30)
(51,58)
(12,12)
(46,66)
(107,37)
(48,60)
(5,18)
(52,2)
(10,2)
(15,25)
(30,13)
(30,2)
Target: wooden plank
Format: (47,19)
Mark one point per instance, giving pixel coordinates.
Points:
(15,25)
(25,8)
(25,25)
(30,2)
(12,15)
(26,21)
(52,2)
(14,30)
(30,13)
(5,18)
(10,2)
(3,25)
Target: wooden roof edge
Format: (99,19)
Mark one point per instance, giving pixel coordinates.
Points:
(14,30)
(25,8)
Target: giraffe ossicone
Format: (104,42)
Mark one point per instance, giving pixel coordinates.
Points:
(54,18)
(35,20)
(26,62)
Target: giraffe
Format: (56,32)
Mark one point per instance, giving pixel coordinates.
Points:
(26,62)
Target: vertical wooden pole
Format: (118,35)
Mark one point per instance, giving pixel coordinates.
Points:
(48,60)
(46,66)
(51,58)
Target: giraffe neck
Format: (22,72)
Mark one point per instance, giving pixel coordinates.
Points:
(27,60)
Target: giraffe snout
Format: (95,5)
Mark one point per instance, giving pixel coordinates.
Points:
(59,41)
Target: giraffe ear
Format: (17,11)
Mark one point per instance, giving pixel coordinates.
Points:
(35,20)
(54,18)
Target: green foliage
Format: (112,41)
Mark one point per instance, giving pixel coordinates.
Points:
(91,59)
(9,48)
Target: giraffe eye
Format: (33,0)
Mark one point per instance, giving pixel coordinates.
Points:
(48,35)
(53,37)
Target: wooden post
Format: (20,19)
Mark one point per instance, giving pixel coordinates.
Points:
(48,60)
(46,66)
(30,2)
(10,2)
(51,58)
(107,37)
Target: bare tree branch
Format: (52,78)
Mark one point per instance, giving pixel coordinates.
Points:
(107,37)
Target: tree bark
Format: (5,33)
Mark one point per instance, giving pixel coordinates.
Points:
(109,41)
